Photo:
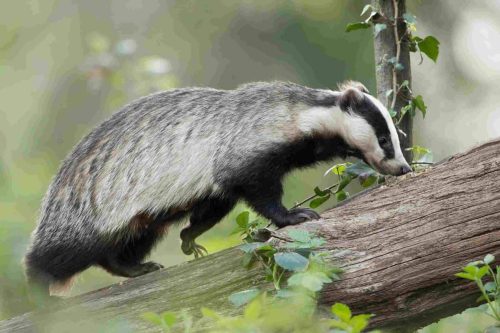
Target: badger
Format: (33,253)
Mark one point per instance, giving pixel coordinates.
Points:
(196,152)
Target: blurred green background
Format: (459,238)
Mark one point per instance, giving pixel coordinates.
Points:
(67,65)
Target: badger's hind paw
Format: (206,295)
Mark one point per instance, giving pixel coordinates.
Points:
(191,247)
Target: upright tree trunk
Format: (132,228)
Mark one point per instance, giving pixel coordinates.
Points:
(385,50)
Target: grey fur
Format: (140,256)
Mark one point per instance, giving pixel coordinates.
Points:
(164,151)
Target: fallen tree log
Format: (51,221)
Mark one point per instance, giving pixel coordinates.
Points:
(399,245)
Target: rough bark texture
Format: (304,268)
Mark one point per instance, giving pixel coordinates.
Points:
(385,49)
(399,244)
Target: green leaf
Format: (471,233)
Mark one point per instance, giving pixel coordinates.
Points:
(243,297)
(482,272)
(153,318)
(490,286)
(299,235)
(466,276)
(291,261)
(359,168)
(392,113)
(488,259)
(380,27)
(399,66)
(249,247)
(419,104)
(343,183)
(287,293)
(341,195)
(253,309)
(430,47)
(342,311)
(248,260)
(169,318)
(209,313)
(345,327)
(243,218)
(389,92)
(356,26)
(318,201)
(409,18)
(471,269)
(321,193)
(312,281)
(359,322)
(368,181)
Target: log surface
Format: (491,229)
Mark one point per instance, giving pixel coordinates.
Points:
(399,245)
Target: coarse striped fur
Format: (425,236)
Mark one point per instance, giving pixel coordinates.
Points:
(196,151)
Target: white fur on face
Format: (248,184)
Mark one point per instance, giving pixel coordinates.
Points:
(393,165)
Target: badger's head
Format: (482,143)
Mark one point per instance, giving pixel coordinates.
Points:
(368,130)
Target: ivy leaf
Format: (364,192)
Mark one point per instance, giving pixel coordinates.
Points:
(243,218)
(490,286)
(209,313)
(318,201)
(169,318)
(321,193)
(419,104)
(342,311)
(359,168)
(356,26)
(409,18)
(291,261)
(243,297)
(341,195)
(253,309)
(359,322)
(312,281)
(153,318)
(249,247)
(343,183)
(466,276)
(392,113)
(302,236)
(368,181)
(429,46)
(380,27)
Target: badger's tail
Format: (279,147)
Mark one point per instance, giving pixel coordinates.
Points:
(41,281)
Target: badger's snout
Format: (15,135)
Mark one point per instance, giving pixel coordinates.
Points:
(404,170)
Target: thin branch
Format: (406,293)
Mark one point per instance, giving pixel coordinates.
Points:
(312,196)
(398,51)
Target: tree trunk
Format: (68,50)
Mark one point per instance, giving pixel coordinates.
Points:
(385,49)
(399,245)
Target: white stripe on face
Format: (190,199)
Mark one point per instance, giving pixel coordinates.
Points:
(398,154)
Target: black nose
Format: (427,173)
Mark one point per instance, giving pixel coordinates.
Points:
(405,169)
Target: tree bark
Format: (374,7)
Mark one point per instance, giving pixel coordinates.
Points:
(385,49)
(399,246)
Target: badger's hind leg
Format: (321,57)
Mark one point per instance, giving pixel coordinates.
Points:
(144,232)
(204,216)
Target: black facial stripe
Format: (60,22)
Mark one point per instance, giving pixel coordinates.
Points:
(367,110)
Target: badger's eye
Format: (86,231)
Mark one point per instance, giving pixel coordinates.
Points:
(382,141)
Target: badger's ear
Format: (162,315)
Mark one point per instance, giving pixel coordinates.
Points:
(352,84)
(350,98)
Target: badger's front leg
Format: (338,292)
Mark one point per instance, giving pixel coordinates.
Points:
(204,216)
(265,198)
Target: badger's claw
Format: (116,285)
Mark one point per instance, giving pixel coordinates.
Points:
(191,247)
(298,215)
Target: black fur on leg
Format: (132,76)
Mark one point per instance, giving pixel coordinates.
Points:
(145,230)
(204,216)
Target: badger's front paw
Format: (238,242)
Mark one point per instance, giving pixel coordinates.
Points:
(296,216)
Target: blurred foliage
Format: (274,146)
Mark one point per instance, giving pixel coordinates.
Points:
(67,65)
